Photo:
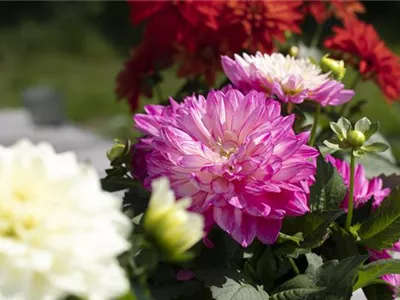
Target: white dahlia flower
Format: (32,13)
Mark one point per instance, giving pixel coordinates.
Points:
(60,234)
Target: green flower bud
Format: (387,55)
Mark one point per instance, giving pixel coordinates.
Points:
(168,225)
(116,151)
(294,51)
(355,138)
(332,65)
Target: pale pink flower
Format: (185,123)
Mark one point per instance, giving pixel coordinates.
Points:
(287,78)
(235,156)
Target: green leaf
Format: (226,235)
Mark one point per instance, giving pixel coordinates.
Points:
(314,227)
(374,270)
(136,199)
(378,292)
(111,184)
(337,278)
(230,285)
(329,190)
(267,267)
(363,125)
(341,243)
(344,123)
(375,147)
(373,128)
(314,261)
(339,131)
(296,294)
(392,181)
(297,238)
(382,229)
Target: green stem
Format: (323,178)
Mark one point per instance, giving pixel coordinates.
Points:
(317,35)
(351,192)
(293,265)
(315,125)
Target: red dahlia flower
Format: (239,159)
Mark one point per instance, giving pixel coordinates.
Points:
(139,71)
(342,10)
(263,21)
(169,21)
(359,44)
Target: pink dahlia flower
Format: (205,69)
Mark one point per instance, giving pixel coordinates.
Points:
(364,189)
(285,77)
(236,156)
(393,279)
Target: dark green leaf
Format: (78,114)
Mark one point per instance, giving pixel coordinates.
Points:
(375,270)
(314,261)
(329,190)
(301,281)
(173,291)
(337,278)
(382,229)
(378,292)
(343,244)
(296,294)
(297,238)
(230,285)
(136,199)
(314,228)
(111,184)
(266,267)
(392,181)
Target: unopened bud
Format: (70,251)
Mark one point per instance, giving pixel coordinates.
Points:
(168,225)
(294,51)
(336,67)
(116,151)
(355,138)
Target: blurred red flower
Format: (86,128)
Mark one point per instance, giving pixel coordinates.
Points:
(139,73)
(169,21)
(343,10)
(263,21)
(359,44)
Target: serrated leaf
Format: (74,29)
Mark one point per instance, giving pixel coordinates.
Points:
(266,267)
(363,125)
(374,270)
(337,278)
(328,190)
(392,181)
(314,261)
(342,243)
(296,294)
(378,292)
(314,227)
(230,285)
(382,229)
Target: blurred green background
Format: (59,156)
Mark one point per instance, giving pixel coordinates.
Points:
(79,47)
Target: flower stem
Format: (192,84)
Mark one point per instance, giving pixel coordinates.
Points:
(315,124)
(293,265)
(351,192)
(317,35)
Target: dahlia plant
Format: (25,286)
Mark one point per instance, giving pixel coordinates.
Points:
(267,185)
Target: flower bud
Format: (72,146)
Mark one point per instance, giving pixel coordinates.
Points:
(168,225)
(116,151)
(294,51)
(332,65)
(355,138)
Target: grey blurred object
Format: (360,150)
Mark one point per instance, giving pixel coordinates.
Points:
(45,105)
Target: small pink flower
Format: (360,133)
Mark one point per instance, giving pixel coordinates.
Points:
(236,156)
(285,77)
(184,275)
(364,189)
